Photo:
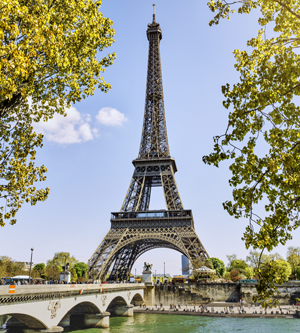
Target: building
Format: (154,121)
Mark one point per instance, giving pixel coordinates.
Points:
(185,265)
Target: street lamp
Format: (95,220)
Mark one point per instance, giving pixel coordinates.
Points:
(65,268)
(30,265)
(135,274)
(164,271)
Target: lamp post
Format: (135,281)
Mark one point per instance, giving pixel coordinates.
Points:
(135,274)
(65,268)
(164,271)
(155,277)
(30,265)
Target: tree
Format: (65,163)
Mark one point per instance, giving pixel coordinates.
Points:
(262,136)
(249,273)
(293,258)
(230,258)
(238,265)
(53,272)
(293,250)
(255,257)
(218,265)
(74,276)
(49,52)
(60,258)
(200,262)
(38,271)
(235,275)
(271,274)
(17,167)
(81,269)
(39,267)
(297,272)
(48,60)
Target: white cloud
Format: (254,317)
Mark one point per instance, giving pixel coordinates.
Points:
(111,117)
(74,128)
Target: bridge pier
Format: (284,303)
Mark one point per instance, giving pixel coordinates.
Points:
(124,310)
(100,320)
(149,294)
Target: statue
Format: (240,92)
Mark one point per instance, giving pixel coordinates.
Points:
(66,267)
(147,267)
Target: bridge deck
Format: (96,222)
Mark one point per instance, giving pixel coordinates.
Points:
(8,290)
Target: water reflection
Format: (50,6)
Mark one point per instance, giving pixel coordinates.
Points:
(159,323)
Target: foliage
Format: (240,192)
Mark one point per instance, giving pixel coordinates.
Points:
(74,276)
(293,250)
(200,262)
(53,272)
(255,258)
(297,272)
(54,266)
(38,271)
(48,60)
(269,275)
(263,133)
(81,269)
(17,167)
(218,265)
(39,267)
(230,258)
(293,258)
(249,273)
(9,267)
(60,258)
(49,51)
(238,265)
(235,275)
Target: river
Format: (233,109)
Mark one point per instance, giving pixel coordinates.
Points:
(155,323)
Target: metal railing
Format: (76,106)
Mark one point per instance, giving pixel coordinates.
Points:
(157,214)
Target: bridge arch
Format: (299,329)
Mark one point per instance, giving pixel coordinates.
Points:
(117,302)
(28,320)
(137,299)
(84,307)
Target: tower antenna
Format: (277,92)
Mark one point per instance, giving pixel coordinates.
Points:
(154,12)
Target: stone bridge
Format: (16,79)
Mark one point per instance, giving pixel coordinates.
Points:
(46,308)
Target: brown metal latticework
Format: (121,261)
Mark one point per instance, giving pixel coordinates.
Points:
(135,229)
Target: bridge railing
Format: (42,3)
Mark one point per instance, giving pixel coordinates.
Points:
(55,288)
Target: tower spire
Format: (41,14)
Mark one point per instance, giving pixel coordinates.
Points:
(154,141)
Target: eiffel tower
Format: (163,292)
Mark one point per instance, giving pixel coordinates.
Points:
(135,229)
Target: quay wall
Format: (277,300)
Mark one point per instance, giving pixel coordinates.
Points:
(199,293)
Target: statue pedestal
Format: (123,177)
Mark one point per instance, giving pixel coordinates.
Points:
(65,276)
(147,277)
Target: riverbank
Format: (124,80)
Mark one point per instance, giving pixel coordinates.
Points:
(211,314)
(288,312)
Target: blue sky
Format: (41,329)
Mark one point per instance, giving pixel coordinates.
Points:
(89,153)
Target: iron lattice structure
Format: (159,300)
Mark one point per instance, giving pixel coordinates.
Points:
(135,229)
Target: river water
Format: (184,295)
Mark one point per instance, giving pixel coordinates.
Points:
(155,323)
